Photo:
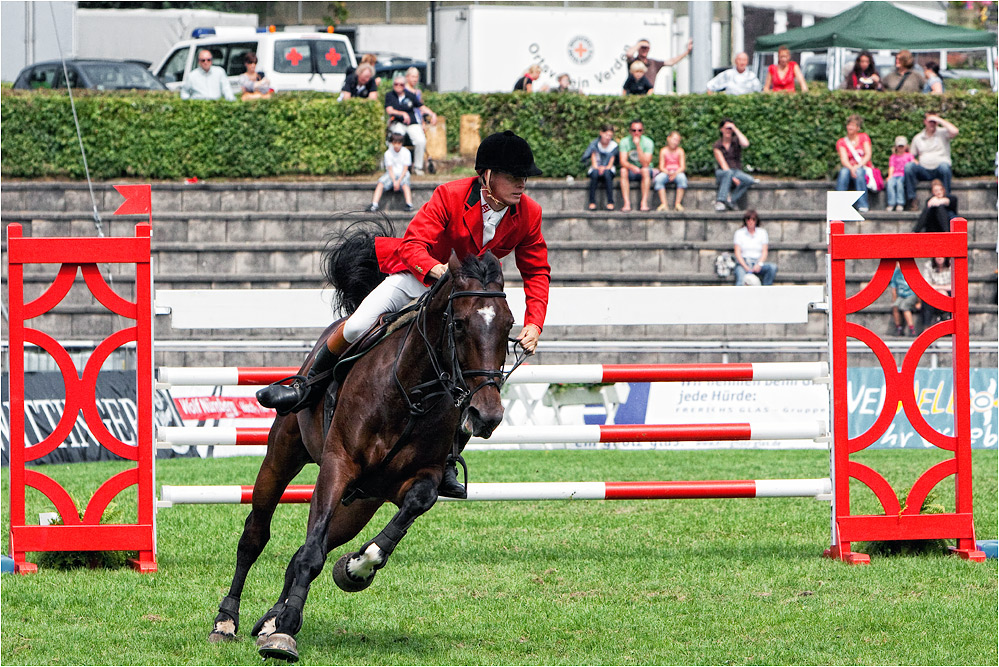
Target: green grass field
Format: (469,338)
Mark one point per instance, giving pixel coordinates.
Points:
(569,582)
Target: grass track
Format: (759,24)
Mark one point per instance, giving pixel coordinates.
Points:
(558,582)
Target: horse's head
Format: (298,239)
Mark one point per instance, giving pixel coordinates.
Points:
(480,321)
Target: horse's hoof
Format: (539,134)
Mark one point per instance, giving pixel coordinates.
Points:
(280,646)
(345,581)
(217,637)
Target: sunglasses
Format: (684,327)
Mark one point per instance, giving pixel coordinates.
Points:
(206,60)
(637,130)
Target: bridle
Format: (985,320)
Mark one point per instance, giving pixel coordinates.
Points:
(443,357)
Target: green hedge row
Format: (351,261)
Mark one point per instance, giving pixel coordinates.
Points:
(159,136)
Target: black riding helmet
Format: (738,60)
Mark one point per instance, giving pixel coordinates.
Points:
(506,152)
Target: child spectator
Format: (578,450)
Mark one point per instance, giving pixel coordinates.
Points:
(397,164)
(937,272)
(895,185)
(672,163)
(904,300)
(602,154)
(636,83)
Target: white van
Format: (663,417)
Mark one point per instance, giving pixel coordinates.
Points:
(291,60)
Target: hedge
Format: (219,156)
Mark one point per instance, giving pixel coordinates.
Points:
(159,136)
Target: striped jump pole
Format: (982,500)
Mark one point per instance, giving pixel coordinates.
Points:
(542,373)
(179,436)
(818,489)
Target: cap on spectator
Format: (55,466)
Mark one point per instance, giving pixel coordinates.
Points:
(507,153)
(901,141)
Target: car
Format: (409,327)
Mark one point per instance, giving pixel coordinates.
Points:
(814,68)
(290,60)
(95,74)
(387,71)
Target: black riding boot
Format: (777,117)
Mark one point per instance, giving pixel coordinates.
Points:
(294,397)
(450,487)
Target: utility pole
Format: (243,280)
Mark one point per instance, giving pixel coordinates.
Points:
(701,14)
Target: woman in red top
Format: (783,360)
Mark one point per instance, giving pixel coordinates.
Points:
(782,75)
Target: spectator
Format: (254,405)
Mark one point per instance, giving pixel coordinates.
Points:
(413,86)
(895,185)
(206,81)
(402,107)
(672,164)
(372,60)
(636,83)
(564,84)
(361,84)
(602,154)
(904,301)
(397,162)
(931,156)
(782,75)
(640,52)
(937,272)
(635,153)
(751,244)
(864,75)
(855,159)
(526,82)
(904,79)
(736,81)
(728,165)
(940,209)
(934,84)
(254,84)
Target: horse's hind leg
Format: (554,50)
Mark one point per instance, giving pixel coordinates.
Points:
(285,458)
(355,572)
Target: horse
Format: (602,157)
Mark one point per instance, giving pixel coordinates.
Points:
(405,405)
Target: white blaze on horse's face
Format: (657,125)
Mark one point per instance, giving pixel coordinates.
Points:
(488,313)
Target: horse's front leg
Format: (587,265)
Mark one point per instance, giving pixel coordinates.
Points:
(355,571)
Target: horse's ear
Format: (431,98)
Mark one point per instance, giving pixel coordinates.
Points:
(454,264)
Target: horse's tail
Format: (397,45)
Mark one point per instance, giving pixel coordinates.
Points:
(349,263)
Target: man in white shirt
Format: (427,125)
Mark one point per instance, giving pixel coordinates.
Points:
(931,150)
(736,81)
(206,81)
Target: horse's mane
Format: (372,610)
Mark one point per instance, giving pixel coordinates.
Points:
(486,269)
(349,263)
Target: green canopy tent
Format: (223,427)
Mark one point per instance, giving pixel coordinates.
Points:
(879,25)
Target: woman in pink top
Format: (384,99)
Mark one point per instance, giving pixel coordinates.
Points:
(855,159)
(672,164)
(782,75)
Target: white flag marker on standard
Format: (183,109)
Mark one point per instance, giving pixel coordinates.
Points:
(839,206)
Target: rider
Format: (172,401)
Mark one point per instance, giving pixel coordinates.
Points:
(468,216)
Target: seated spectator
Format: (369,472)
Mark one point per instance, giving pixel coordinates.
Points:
(728,166)
(372,59)
(397,162)
(934,84)
(403,108)
(940,209)
(931,156)
(864,75)
(640,51)
(254,84)
(895,183)
(361,84)
(526,82)
(736,81)
(636,83)
(904,79)
(937,272)
(635,154)
(904,301)
(751,247)
(855,159)
(206,81)
(783,74)
(672,164)
(602,154)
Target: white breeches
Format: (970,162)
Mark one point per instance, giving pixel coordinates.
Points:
(392,294)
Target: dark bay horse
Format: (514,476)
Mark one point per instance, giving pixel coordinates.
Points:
(426,386)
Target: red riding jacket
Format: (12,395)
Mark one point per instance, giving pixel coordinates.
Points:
(452,220)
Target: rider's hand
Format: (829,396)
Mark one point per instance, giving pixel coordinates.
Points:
(528,337)
(437,271)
